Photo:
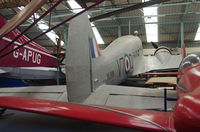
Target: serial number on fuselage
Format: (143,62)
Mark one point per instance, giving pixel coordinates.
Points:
(27,55)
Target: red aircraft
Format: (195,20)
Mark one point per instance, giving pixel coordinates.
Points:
(29,62)
(31,55)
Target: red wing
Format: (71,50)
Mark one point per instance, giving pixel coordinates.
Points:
(138,119)
(23,15)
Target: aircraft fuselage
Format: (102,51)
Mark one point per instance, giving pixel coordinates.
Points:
(116,61)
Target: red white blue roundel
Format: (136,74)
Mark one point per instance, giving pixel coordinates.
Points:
(127,63)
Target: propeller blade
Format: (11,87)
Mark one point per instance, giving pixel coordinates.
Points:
(154,45)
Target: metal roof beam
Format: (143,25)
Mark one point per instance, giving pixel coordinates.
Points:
(156,5)
(128,17)
(139,24)
(136,24)
(117,8)
(185,9)
(98,9)
(112,17)
(16,3)
(127,9)
(143,34)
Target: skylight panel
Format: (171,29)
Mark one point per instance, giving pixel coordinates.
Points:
(76,8)
(197,37)
(97,34)
(151,29)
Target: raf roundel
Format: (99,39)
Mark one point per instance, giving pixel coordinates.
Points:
(127,63)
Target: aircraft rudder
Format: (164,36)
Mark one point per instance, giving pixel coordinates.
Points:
(78,58)
(183,50)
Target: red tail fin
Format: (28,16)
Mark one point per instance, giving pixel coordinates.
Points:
(31,55)
(183,51)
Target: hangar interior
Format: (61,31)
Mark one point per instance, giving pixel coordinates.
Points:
(175,22)
(165,28)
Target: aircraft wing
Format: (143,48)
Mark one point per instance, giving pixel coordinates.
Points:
(151,63)
(130,97)
(132,118)
(32,73)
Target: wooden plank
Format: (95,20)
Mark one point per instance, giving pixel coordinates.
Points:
(167,80)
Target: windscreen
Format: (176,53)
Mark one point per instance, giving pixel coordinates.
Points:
(191,59)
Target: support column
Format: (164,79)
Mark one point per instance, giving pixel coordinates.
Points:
(65,36)
(129,27)
(182,34)
(119,31)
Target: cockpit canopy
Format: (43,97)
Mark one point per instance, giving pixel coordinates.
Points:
(189,60)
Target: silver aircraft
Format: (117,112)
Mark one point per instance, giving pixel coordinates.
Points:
(87,68)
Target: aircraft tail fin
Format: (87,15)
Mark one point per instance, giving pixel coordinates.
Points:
(78,58)
(183,51)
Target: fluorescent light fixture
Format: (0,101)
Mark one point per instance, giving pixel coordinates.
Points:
(151,29)
(76,8)
(197,37)
(43,26)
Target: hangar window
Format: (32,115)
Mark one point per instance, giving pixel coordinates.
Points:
(190,60)
(76,8)
(150,19)
(197,37)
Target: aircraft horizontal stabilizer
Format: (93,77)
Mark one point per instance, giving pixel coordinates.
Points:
(138,119)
